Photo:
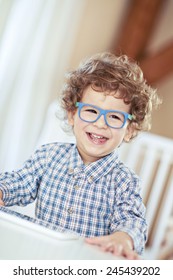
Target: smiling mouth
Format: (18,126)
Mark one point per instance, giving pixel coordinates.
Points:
(97,139)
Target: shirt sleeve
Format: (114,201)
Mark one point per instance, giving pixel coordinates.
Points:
(20,187)
(129,214)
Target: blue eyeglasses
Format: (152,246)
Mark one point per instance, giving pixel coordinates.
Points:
(90,113)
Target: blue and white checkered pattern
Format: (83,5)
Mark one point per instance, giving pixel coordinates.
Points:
(91,200)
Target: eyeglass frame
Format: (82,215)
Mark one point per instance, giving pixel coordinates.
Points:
(103,112)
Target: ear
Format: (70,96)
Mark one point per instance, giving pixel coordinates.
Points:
(129,133)
(70,116)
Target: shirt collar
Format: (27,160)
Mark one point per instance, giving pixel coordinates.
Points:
(94,170)
(75,161)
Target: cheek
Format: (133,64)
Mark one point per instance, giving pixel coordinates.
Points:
(77,124)
(118,135)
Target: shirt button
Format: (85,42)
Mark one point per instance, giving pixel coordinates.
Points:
(70,210)
(76,170)
(76,187)
(70,171)
(90,179)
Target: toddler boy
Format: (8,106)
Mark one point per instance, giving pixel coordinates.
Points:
(84,187)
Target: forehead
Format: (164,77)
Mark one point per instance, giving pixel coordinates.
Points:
(119,92)
(105,100)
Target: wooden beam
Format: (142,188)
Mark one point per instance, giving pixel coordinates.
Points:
(137,28)
(155,67)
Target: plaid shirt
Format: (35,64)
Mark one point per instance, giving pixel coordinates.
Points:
(91,200)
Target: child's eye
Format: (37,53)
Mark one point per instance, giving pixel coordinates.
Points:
(116,117)
(113,116)
(91,110)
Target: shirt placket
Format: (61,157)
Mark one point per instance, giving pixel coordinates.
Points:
(77,182)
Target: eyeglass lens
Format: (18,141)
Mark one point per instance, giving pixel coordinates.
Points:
(91,114)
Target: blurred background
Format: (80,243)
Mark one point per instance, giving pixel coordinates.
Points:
(40,40)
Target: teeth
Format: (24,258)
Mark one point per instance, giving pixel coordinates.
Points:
(97,136)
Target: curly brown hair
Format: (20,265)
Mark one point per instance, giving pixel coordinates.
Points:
(109,73)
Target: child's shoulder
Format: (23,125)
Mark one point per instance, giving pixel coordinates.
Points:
(55,148)
(56,145)
(126,171)
(126,178)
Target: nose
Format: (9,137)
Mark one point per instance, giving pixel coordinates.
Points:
(100,123)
